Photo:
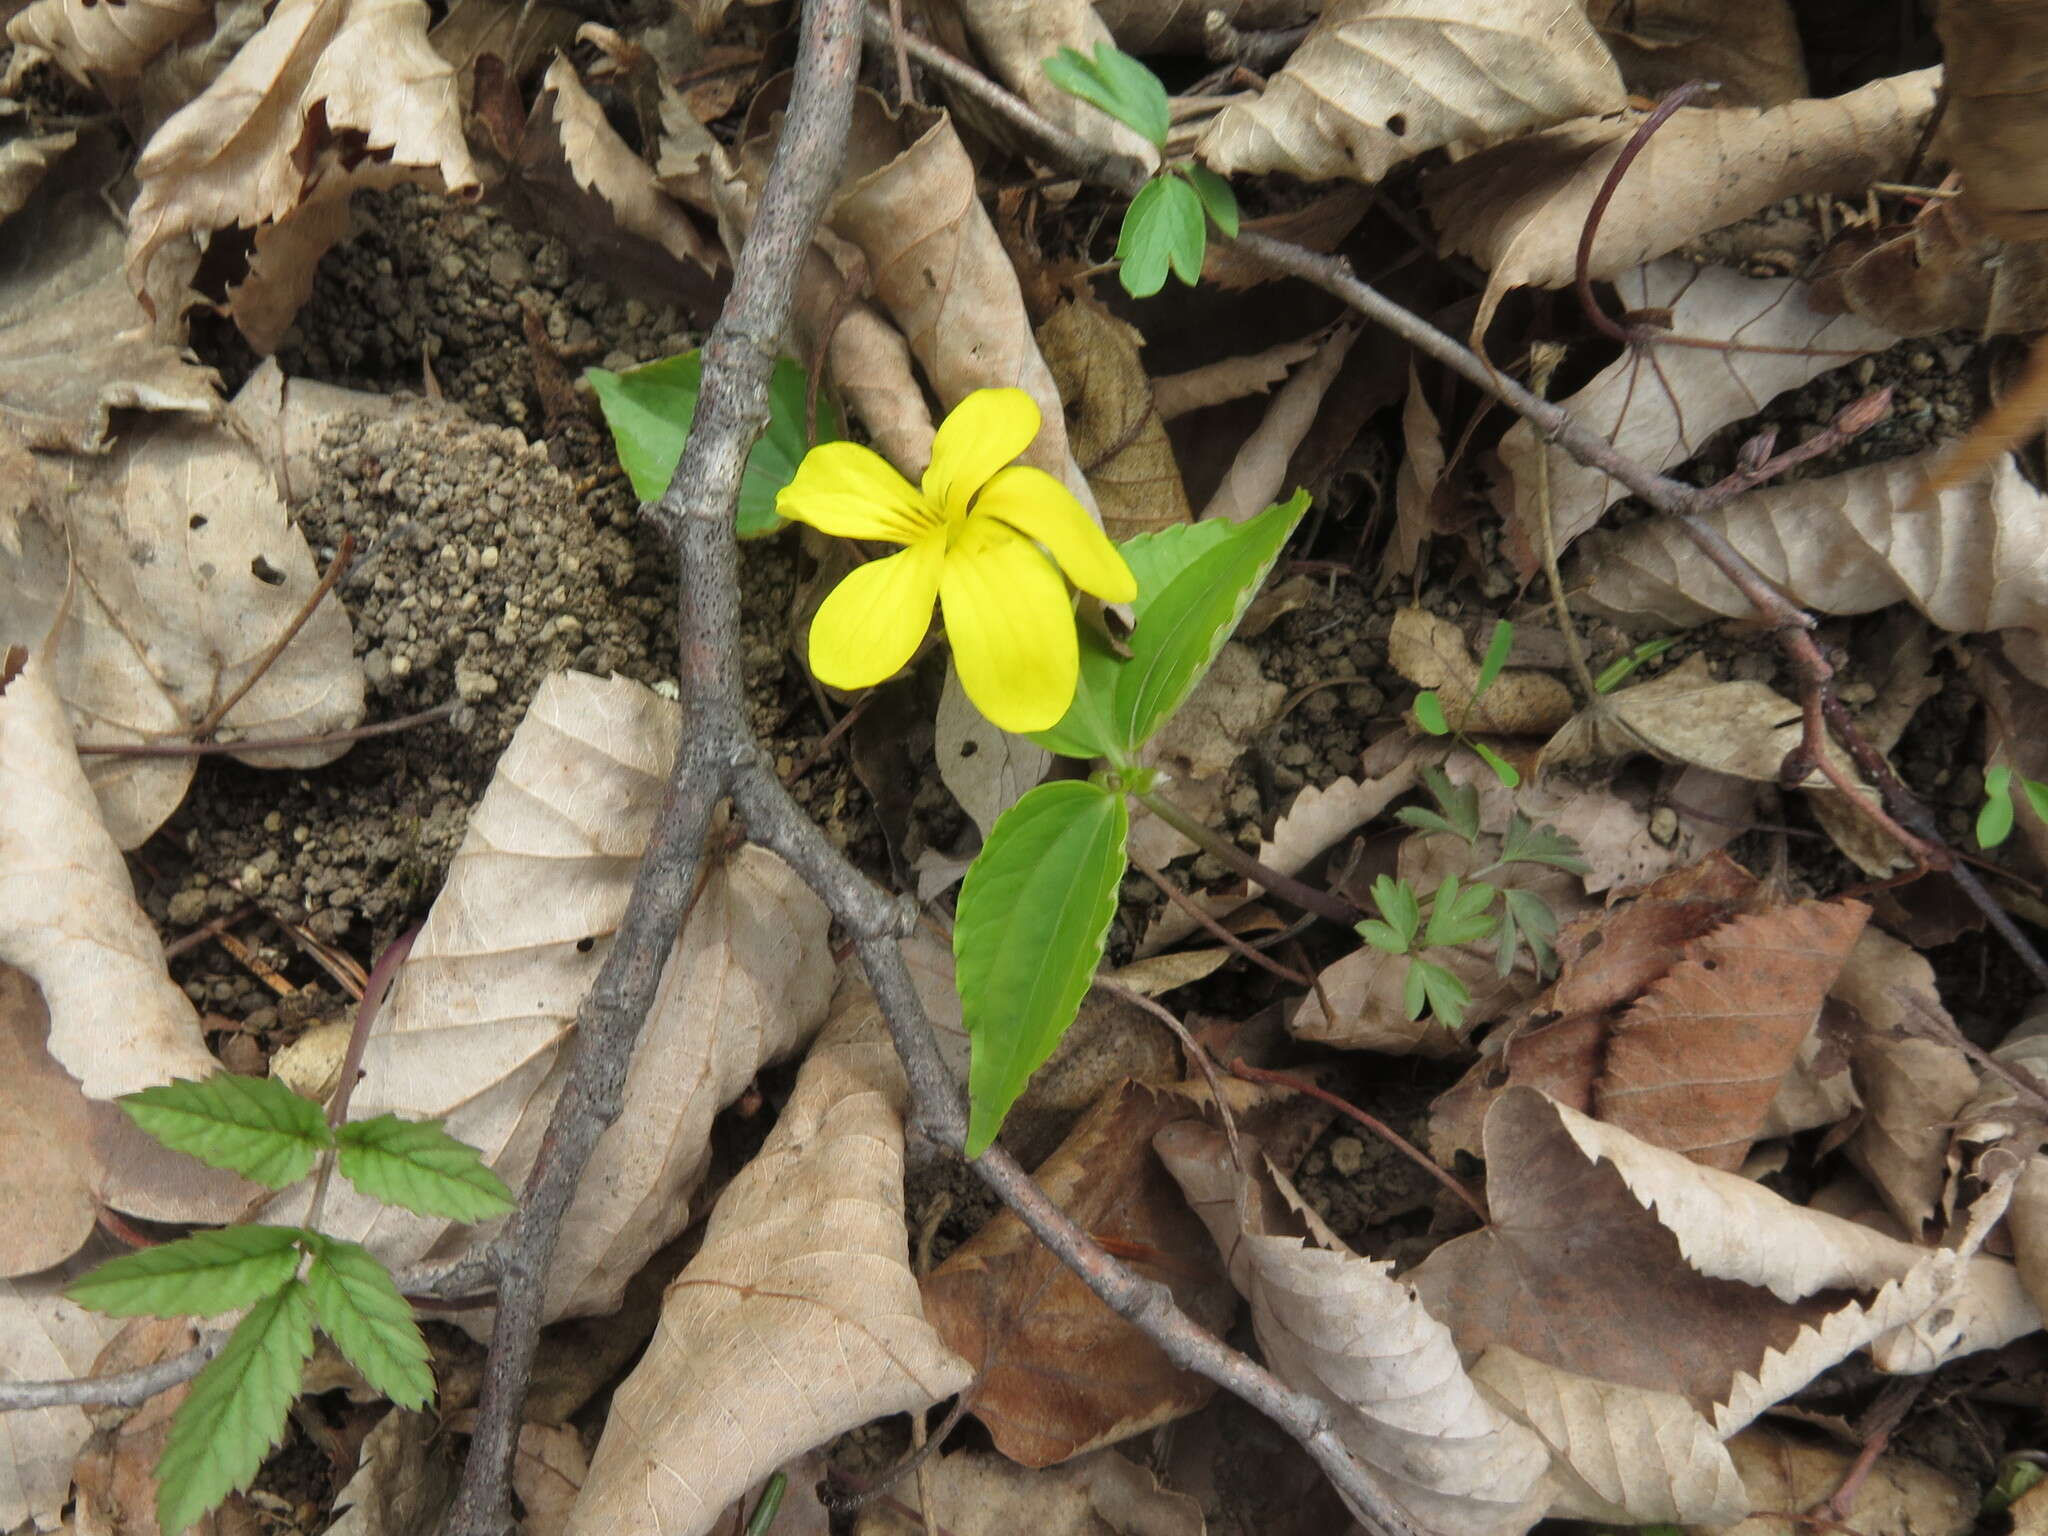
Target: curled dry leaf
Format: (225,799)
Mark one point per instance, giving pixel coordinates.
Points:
(797,1320)
(1416,480)
(403,1479)
(1895,1494)
(987,768)
(1518,208)
(1342,1328)
(74,345)
(1176,26)
(1661,408)
(1016,37)
(1431,653)
(278,140)
(1751,52)
(25,161)
(1850,543)
(547,1474)
(1942,272)
(1257,476)
(1232,378)
(149,645)
(1995,131)
(48,1164)
(976,1494)
(1116,433)
(472,1033)
(94,43)
(1377,82)
(44,1337)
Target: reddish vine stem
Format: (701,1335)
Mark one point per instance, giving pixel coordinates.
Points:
(1582,265)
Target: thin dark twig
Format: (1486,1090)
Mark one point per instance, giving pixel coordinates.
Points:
(1296,892)
(1582,263)
(1215,929)
(265,744)
(336,569)
(865,1492)
(1193,1047)
(205,931)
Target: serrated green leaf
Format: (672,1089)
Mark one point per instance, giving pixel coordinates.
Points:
(1527,843)
(1429,713)
(254,1126)
(1994,821)
(1503,770)
(236,1409)
(1218,201)
(416,1164)
(650,410)
(1162,229)
(1496,656)
(1027,936)
(1446,996)
(360,1308)
(1457,914)
(1424,820)
(203,1275)
(1118,84)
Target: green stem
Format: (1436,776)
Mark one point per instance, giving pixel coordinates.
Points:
(1230,856)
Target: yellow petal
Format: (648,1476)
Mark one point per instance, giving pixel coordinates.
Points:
(984,432)
(1039,507)
(852,492)
(870,624)
(1011,625)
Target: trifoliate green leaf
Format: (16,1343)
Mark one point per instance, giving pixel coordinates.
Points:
(1457,914)
(1430,986)
(1163,228)
(359,1307)
(416,1164)
(236,1409)
(1538,924)
(203,1275)
(1118,84)
(1457,808)
(1401,907)
(254,1126)
(1217,199)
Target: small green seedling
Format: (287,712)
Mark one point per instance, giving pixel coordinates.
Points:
(1995,820)
(1464,911)
(1429,707)
(650,410)
(290,1279)
(1166,228)
(1618,671)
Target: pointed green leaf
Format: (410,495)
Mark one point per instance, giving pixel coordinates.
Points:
(1028,933)
(1088,728)
(1382,936)
(1429,713)
(1994,821)
(203,1275)
(416,1164)
(1457,914)
(1458,802)
(650,410)
(236,1409)
(1189,230)
(1162,228)
(1218,201)
(2037,796)
(1118,84)
(1506,936)
(1425,821)
(1414,994)
(254,1126)
(1496,656)
(359,1307)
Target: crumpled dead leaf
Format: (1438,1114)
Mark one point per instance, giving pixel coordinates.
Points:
(987,768)
(95,43)
(1897,1495)
(797,1320)
(1343,1328)
(1231,707)
(1018,36)
(403,1480)
(1942,272)
(1416,479)
(47,1159)
(1230,378)
(1176,26)
(1431,653)
(1257,476)
(473,1030)
(1995,130)
(1848,543)
(1116,434)
(1752,52)
(1518,208)
(43,1337)
(548,1473)
(1660,410)
(1377,82)
(268,146)
(976,1494)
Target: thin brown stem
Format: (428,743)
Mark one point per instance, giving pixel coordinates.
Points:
(265,744)
(336,569)
(1195,1054)
(1297,892)
(1589,231)
(1214,929)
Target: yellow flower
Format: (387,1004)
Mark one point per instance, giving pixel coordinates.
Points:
(971,535)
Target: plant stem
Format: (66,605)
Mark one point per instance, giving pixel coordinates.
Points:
(1301,894)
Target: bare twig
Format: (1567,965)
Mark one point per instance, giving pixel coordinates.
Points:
(1296,892)
(264,744)
(1215,930)
(127,1389)
(336,569)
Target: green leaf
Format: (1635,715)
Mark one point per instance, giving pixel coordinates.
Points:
(1616,672)
(1218,201)
(254,1126)
(1994,821)
(2037,796)
(1399,905)
(1118,84)
(1429,713)
(1028,933)
(1162,228)
(1509,776)
(1538,924)
(203,1275)
(1496,656)
(1442,992)
(359,1307)
(1527,843)
(1088,728)
(1458,915)
(650,409)
(1457,809)
(236,1409)
(416,1164)
(1382,936)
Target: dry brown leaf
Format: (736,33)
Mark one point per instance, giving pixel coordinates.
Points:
(1431,653)
(1176,26)
(473,1030)
(1016,37)
(2015,733)
(1943,272)
(987,768)
(94,43)
(43,1337)
(1257,476)
(48,1164)
(1677,1016)
(1896,1496)
(1659,410)
(278,138)
(1995,130)
(1415,482)
(797,1320)
(1751,52)
(547,1474)
(1849,543)
(1518,208)
(1344,1329)
(1231,707)
(1117,436)
(1231,378)
(976,1494)
(74,345)
(150,646)
(25,161)
(403,1482)
(1631,828)
(1378,82)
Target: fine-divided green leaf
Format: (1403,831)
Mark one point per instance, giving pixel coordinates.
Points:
(203,1275)
(1399,905)
(1496,656)
(1429,713)
(1163,228)
(254,1126)
(1118,84)
(650,409)
(1525,918)
(416,1164)
(1528,843)
(1994,821)
(1429,985)
(370,1322)
(1028,934)
(1457,914)
(1457,811)
(1217,198)
(236,1410)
